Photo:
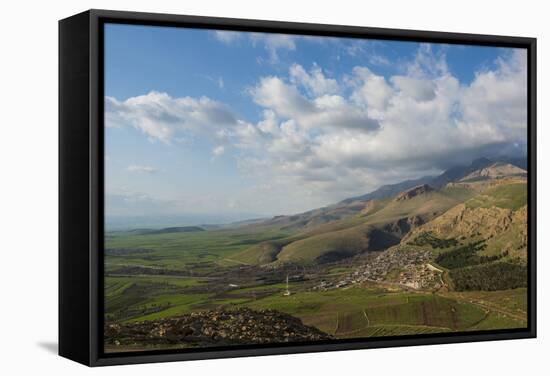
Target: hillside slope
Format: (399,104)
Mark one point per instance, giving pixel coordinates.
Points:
(378,226)
(489,191)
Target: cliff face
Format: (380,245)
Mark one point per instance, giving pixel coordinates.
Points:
(465,221)
(502,229)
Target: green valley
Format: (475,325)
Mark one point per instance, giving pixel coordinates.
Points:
(425,260)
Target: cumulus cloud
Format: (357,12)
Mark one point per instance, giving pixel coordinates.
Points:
(386,129)
(370,90)
(417,89)
(283,99)
(324,111)
(339,136)
(497,99)
(162,117)
(314,81)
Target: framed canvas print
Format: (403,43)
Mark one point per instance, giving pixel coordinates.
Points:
(239,187)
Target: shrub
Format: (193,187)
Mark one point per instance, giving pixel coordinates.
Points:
(490,277)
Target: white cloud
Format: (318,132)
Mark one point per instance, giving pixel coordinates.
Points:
(227,36)
(315,81)
(162,117)
(428,63)
(142,169)
(370,90)
(273,43)
(283,99)
(339,137)
(384,130)
(415,88)
(497,100)
(324,111)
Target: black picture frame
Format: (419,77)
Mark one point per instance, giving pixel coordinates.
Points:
(81,184)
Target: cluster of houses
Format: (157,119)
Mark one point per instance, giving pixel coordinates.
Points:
(398,266)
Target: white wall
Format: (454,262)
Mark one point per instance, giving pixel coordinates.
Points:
(28,210)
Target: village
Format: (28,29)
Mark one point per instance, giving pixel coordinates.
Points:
(409,268)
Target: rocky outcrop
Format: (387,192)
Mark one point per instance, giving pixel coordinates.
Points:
(413,192)
(520,218)
(214,328)
(505,228)
(465,221)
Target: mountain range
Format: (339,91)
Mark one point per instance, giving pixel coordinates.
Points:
(488,194)
(450,175)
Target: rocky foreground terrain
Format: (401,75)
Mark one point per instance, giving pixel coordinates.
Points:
(214,328)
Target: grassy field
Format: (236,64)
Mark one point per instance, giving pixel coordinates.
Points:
(135,297)
(344,313)
(357,312)
(507,196)
(190,251)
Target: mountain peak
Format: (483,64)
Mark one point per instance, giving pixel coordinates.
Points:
(495,170)
(413,192)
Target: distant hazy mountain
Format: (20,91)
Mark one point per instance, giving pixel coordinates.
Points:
(450,175)
(155,222)
(167,230)
(390,190)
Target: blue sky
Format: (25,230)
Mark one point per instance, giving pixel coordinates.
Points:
(244,124)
